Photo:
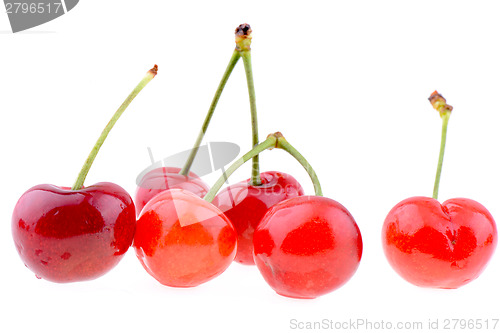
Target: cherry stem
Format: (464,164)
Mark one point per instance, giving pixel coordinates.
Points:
(286,146)
(444,130)
(232,63)
(439,103)
(270,142)
(275,140)
(93,153)
(243,41)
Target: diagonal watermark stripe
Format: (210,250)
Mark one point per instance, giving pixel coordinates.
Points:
(25,14)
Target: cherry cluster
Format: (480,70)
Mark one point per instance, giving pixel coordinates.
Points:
(185,233)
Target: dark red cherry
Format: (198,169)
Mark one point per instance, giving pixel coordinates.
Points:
(245,205)
(66,235)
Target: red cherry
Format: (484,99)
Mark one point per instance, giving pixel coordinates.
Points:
(307,246)
(245,205)
(182,240)
(65,235)
(439,246)
(161,179)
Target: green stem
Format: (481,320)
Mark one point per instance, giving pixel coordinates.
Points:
(247,61)
(232,63)
(275,140)
(90,159)
(446,117)
(270,142)
(285,145)
(243,38)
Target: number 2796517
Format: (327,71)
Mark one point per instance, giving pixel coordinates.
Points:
(33,8)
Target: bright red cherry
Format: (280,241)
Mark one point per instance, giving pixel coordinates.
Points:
(245,205)
(307,246)
(65,235)
(440,246)
(161,179)
(182,240)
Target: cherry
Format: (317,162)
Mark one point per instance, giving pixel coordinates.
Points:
(182,240)
(245,205)
(304,246)
(439,245)
(307,246)
(161,179)
(66,235)
(77,234)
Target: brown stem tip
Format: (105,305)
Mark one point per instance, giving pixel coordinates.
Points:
(154,70)
(243,37)
(243,30)
(439,103)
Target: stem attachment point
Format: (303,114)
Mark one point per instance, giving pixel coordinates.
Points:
(275,140)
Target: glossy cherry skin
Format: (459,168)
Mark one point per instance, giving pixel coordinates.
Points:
(245,205)
(307,246)
(161,179)
(439,246)
(182,240)
(66,236)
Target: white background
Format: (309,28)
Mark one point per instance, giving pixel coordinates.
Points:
(345,81)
